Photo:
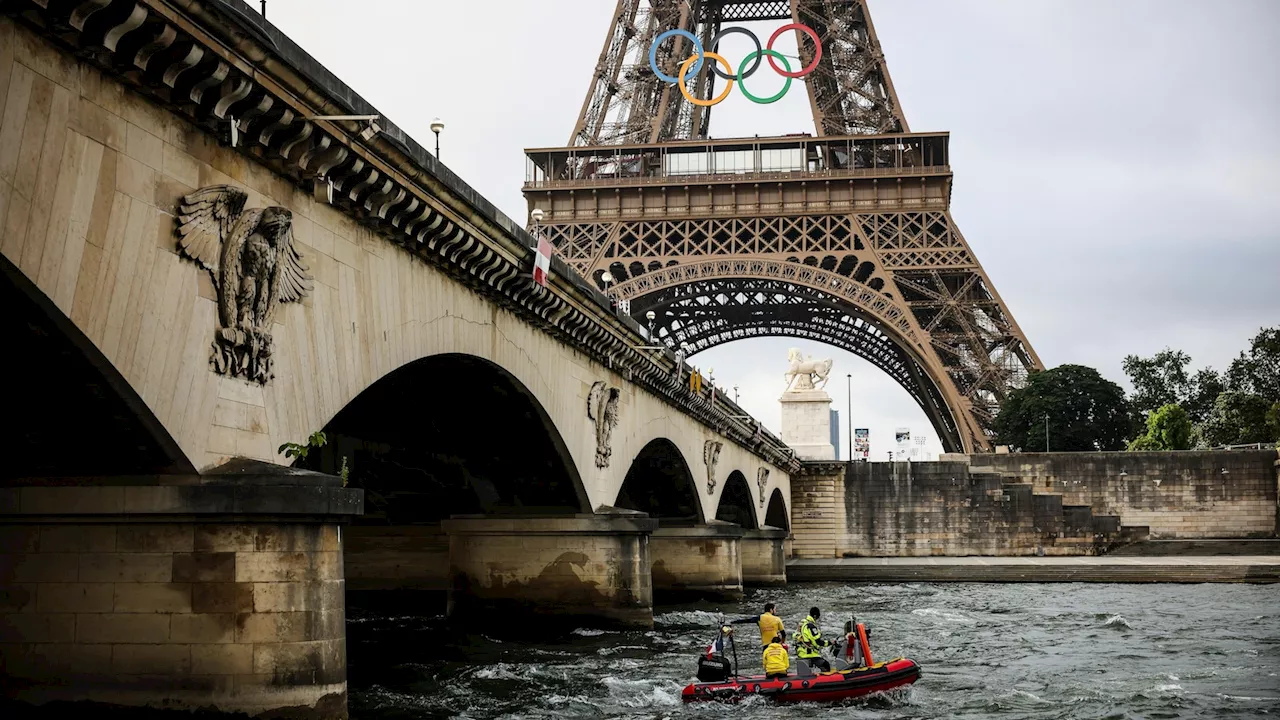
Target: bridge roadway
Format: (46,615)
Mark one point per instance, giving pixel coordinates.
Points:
(513,445)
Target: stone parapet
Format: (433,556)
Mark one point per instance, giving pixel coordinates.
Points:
(764,560)
(219,597)
(701,561)
(578,571)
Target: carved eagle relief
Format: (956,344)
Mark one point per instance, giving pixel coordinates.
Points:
(255,266)
(602,409)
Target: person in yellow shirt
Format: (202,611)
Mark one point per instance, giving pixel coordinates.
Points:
(776,660)
(770,624)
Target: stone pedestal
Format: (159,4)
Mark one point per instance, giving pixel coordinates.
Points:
(702,561)
(584,570)
(764,560)
(225,595)
(806,424)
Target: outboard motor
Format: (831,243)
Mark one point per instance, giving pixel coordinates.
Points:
(713,669)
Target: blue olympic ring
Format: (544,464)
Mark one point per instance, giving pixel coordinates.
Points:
(653,55)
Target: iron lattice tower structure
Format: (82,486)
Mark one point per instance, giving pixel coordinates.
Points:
(845,237)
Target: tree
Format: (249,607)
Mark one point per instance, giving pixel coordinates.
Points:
(1258,370)
(1163,380)
(1159,380)
(1273,422)
(1206,386)
(1168,428)
(1086,412)
(1237,419)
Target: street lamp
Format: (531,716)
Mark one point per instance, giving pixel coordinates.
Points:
(436,126)
(735,394)
(650,316)
(537,215)
(849,420)
(607,279)
(1046,432)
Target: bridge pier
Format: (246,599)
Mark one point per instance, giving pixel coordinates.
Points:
(394,559)
(227,594)
(585,569)
(699,561)
(764,559)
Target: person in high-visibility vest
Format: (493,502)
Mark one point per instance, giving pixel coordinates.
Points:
(769,622)
(809,642)
(775,659)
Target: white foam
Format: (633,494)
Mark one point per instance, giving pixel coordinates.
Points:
(1117,621)
(944,615)
(589,632)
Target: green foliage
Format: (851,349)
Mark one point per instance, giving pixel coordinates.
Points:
(1143,442)
(1168,428)
(1237,419)
(1257,371)
(344,472)
(292,450)
(1086,412)
(1158,380)
(1273,422)
(1162,380)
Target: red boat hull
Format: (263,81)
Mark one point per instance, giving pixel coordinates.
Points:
(817,688)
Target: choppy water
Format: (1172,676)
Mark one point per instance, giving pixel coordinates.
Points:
(987,651)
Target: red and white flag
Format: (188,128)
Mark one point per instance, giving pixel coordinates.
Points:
(542,262)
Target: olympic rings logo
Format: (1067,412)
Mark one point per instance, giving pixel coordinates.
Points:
(688,73)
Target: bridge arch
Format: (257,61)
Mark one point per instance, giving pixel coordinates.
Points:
(479,443)
(777,515)
(736,504)
(659,482)
(706,310)
(77,416)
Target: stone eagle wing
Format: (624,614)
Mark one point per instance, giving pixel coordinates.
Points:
(290,282)
(205,219)
(594,401)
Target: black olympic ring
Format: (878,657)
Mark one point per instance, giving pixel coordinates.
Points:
(715,44)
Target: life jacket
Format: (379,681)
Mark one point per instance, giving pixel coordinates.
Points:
(776,659)
(809,640)
(770,627)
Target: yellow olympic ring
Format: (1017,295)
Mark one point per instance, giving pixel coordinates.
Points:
(684,89)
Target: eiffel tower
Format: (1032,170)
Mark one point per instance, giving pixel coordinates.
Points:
(844,237)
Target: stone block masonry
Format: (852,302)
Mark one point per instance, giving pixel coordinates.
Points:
(211,591)
(1177,495)
(1034,504)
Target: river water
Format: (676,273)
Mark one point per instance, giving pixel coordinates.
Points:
(987,651)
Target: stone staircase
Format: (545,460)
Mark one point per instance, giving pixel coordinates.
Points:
(1070,529)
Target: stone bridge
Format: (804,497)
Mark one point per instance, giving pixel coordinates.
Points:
(198,269)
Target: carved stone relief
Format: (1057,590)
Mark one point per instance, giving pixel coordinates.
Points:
(762,479)
(602,409)
(255,267)
(711,456)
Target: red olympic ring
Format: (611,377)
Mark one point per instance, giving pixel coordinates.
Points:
(817,57)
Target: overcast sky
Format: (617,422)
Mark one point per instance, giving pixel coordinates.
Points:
(1117,162)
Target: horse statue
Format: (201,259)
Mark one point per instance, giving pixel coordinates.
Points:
(807,370)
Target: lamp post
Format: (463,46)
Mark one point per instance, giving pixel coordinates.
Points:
(1046,432)
(650,316)
(607,278)
(436,126)
(849,420)
(735,394)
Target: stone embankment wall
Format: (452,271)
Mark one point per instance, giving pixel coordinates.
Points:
(1034,504)
(1176,495)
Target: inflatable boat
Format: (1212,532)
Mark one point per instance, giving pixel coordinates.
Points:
(854,673)
(827,687)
